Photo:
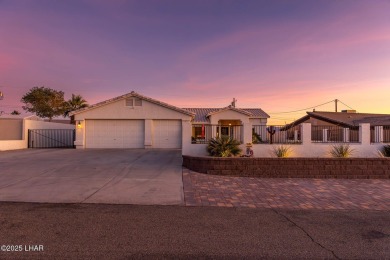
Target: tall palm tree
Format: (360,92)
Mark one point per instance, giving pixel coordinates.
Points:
(75,103)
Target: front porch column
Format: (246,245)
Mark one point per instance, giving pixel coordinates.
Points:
(346,135)
(364,134)
(186,130)
(247,132)
(306,133)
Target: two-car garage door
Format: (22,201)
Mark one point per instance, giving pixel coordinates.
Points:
(131,133)
(114,134)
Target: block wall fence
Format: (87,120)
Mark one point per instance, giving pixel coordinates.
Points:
(343,168)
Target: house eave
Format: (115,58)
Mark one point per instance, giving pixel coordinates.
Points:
(132,94)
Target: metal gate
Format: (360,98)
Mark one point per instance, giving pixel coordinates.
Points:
(51,138)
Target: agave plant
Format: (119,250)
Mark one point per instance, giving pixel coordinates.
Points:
(282,151)
(341,151)
(223,147)
(385,151)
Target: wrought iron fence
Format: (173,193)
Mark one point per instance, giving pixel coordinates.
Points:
(276,134)
(380,134)
(202,133)
(51,138)
(334,134)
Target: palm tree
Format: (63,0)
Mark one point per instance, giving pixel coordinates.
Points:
(75,103)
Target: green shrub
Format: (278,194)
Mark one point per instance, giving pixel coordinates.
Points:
(256,138)
(282,151)
(223,147)
(341,151)
(385,151)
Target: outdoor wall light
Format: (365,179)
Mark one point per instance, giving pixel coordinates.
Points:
(79,124)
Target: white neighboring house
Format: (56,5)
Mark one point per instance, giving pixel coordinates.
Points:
(136,121)
(14,130)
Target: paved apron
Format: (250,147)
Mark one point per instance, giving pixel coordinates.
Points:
(117,176)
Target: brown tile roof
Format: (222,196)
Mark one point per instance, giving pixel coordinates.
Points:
(381,120)
(132,94)
(238,110)
(346,119)
(201,114)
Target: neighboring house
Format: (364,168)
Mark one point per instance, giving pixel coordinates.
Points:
(345,118)
(336,123)
(11,126)
(136,121)
(14,130)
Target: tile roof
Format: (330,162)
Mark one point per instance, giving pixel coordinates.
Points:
(132,94)
(377,120)
(238,110)
(201,114)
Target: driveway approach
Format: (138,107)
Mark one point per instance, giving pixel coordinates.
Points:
(119,176)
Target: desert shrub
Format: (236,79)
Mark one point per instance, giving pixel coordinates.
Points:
(341,151)
(385,151)
(282,151)
(256,138)
(223,147)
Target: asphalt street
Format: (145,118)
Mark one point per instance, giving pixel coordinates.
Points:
(97,231)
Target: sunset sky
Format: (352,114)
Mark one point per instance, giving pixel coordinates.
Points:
(280,56)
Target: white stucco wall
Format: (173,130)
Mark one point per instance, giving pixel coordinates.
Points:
(11,129)
(195,150)
(258,121)
(147,112)
(228,115)
(317,150)
(32,123)
(307,148)
(12,144)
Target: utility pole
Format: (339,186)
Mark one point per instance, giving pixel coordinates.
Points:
(335,104)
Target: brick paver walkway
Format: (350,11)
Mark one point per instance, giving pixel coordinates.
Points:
(209,190)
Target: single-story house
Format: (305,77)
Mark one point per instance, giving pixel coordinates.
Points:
(136,121)
(345,118)
(335,123)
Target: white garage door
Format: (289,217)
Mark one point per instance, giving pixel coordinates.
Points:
(167,134)
(115,133)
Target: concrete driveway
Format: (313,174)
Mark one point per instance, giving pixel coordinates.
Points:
(118,176)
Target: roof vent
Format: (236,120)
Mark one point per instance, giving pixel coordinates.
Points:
(348,111)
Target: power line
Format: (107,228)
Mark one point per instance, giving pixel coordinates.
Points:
(305,109)
(300,110)
(345,104)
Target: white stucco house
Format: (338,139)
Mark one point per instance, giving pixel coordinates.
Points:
(136,121)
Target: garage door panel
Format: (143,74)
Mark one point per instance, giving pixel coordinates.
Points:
(115,134)
(167,134)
